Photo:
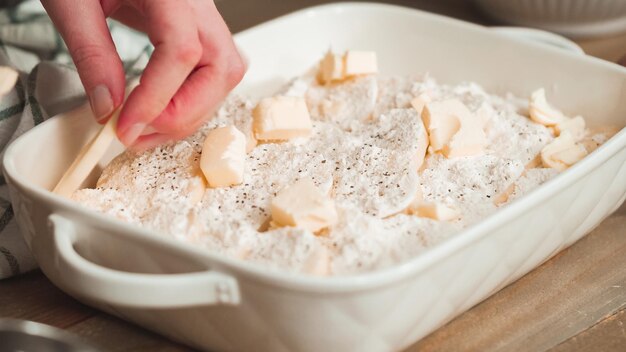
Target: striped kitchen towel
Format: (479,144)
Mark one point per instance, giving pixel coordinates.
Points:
(48,84)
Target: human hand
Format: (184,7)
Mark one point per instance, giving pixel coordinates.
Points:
(194,65)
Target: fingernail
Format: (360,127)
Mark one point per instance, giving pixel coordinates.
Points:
(132,133)
(101,102)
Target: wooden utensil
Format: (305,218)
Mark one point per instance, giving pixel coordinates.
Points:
(88,158)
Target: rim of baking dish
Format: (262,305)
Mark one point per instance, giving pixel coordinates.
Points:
(241,269)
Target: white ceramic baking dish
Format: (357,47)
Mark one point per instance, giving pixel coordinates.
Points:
(217,303)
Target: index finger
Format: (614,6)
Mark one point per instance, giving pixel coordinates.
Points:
(177,51)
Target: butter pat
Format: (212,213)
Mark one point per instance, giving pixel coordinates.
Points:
(251,141)
(470,140)
(417,201)
(360,63)
(8,78)
(432,210)
(442,121)
(223,157)
(435,211)
(541,111)
(453,129)
(195,189)
(336,68)
(575,126)
(418,103)
(563,152)
(305,206)
(331,68)
(282,118)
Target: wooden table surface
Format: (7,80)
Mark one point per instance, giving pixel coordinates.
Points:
(574,302)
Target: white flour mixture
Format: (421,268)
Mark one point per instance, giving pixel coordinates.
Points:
(362,152)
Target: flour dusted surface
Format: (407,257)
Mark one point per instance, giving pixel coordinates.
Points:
(363,151)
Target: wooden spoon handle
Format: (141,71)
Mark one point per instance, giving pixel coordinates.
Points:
(88,158)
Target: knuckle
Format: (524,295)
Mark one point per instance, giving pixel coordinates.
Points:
(189,128)
(178,121)
(158,100)
(235,72)
(159,104)
(148,112)
(189,53)
(171,120)
(177,128)
(87,54)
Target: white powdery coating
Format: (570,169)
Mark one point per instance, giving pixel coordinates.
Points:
(379,174)
(107,201)
(281,248)
(469,184)
(396,129)
(382,188)
(285,248)
(362,152)
(156,186)
(297,87)
(363,243)
(269,169)
(324,156)
(345,104)
(600,138)
(334,159)
(514,136)
(530,180)
(509,134)
(397,92)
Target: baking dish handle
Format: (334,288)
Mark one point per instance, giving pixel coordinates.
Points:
(541,36)
(136,290)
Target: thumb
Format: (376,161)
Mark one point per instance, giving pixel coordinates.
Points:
(82,25)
